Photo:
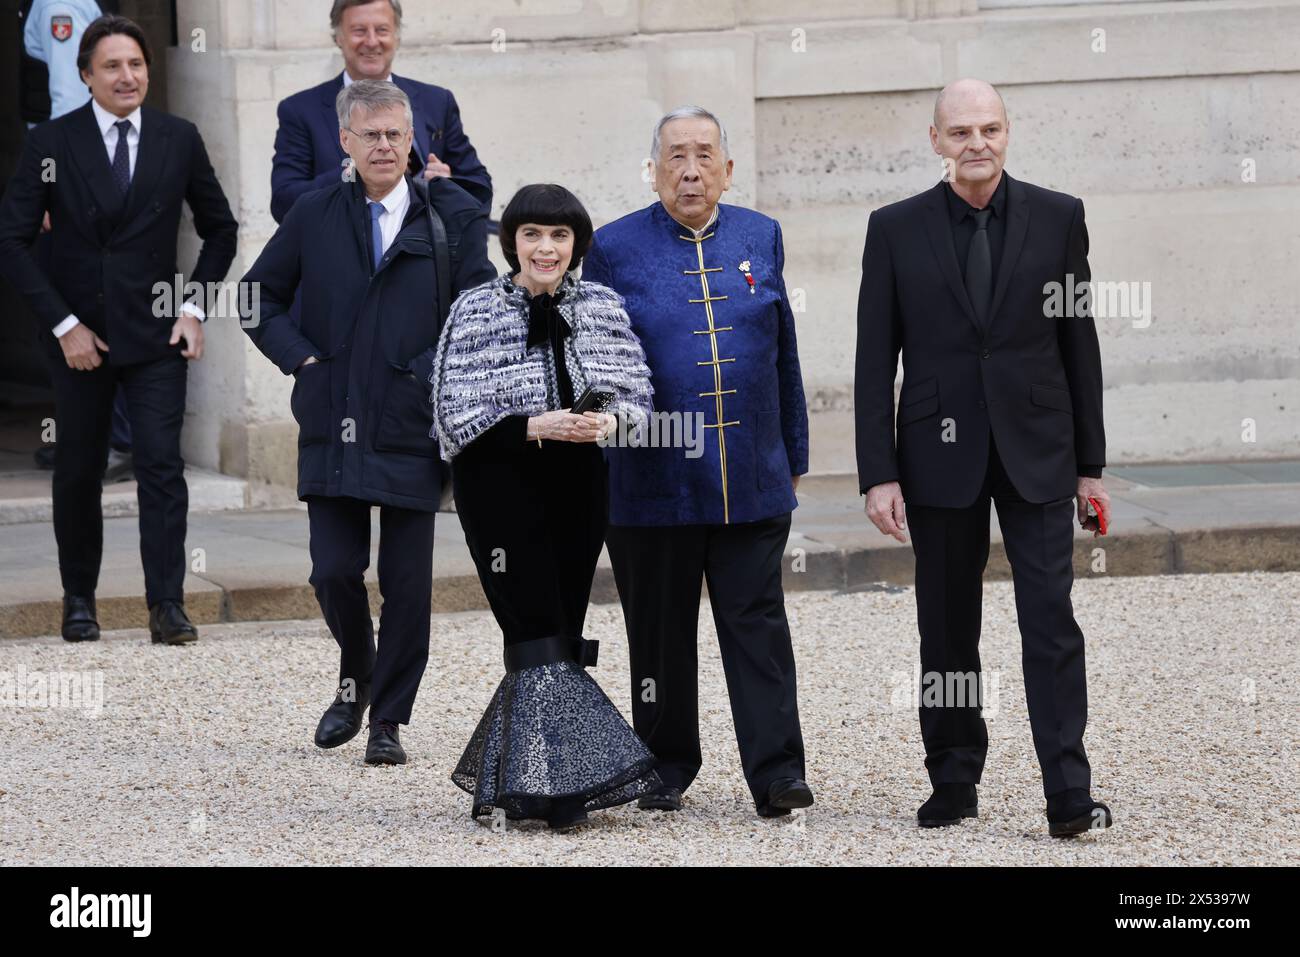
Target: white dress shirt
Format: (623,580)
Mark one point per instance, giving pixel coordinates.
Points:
(348,81)
(396,205)
(108,130)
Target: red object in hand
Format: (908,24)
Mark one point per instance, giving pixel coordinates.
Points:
(1101,516)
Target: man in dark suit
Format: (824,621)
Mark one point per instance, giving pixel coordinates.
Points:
(307,151)
(377,260)
(49,86)
(113,175)
(1001,402)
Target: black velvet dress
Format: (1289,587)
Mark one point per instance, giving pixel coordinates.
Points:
(551,744)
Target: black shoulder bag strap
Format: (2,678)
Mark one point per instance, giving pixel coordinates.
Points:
(442,271)
(442,265)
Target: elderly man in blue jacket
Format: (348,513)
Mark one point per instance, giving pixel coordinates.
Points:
(378,261)
(703,286)
(307,153)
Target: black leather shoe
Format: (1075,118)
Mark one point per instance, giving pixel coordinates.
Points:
(79,622)
(169,625)
(784,795)
(566,818)
(948,805)
(665,799)
(385,744)
(1075,812)
(342,720)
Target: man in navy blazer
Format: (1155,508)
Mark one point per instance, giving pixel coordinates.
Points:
(307,151)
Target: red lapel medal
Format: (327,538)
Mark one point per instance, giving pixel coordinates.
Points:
(744,268)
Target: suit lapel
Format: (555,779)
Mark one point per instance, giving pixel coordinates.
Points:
(331,114)
(939,231)
(90,156)
(422,134)
(1017,227)
(150,157)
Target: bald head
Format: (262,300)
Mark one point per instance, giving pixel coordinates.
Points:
(970,132)
(966,97)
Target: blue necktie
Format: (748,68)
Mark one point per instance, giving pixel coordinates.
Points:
(122,158)
(376,235)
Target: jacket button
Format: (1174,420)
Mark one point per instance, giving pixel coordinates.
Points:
(985,354)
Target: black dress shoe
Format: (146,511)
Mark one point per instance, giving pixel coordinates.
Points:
(665,799)
(79,622)
(948,805)
(342,720)
(169,625)
(566,817)
(385,744)
(784,795)
(1075,812)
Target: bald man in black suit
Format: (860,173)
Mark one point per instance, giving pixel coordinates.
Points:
(1001,403)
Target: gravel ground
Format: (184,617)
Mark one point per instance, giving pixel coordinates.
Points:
(203,754)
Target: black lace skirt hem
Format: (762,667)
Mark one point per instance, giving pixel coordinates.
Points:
(550,745)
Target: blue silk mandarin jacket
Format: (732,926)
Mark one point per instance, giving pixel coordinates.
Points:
(722,352)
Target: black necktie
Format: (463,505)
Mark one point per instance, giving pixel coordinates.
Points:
(979,265)
(122,158)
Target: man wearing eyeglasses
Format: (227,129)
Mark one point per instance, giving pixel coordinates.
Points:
(307,154)
(377,260)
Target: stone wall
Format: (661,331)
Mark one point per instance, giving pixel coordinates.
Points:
(827,106)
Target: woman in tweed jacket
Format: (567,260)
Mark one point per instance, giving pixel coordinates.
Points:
(529,483)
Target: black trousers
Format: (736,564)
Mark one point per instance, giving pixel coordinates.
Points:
(534,520)
(340,555)
(951,546)
(155,398)
(658,570)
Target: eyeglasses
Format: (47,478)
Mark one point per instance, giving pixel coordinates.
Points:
(371,137)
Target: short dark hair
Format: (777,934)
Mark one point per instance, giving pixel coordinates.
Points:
(107,26)
(545,204)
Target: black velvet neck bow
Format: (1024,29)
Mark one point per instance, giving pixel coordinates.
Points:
(545,324)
